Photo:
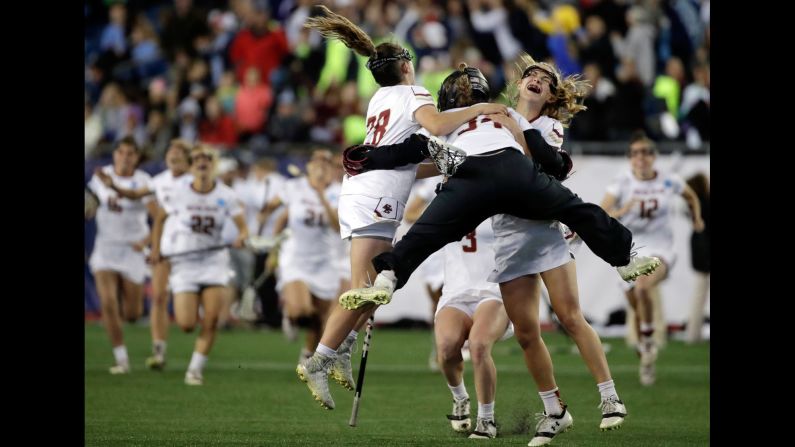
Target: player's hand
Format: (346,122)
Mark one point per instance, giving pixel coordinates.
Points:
(104,177)
(154,257)
(239,242)
(139,246)
(698,224)
(491,108)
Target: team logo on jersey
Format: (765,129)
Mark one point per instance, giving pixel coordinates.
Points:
(667,183)
(387,208)
(221,202)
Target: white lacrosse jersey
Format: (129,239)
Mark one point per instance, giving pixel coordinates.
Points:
(165,183)
(550,128)
(121,220)
(481,134)
(650,218)
(467,265)
(255,194)
(310,234)
(200,217)
(390,120)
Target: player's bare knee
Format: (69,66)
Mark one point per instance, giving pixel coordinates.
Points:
(449,351)
(572,320)
(479,350)
(527,337)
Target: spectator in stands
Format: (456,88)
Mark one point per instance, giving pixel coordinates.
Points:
(189,114)
(638,44)
(93,130)
(626,114)
(591,124)
(227,92)
(258,45)
(183,24)
(694,111)
(144,40)
(595,46)
(216,127)
(668,86)
(252,103)
(158,134)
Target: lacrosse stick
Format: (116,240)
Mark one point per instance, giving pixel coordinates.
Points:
(362,365)
(446,157)
(257,244)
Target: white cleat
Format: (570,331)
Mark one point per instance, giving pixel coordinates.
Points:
(379,294)
(119,369)
(194,378)
(549,426)
(314,372)
(341,370)
(156,363)
(613,413)
(459,420)
(484,429)
(638,265)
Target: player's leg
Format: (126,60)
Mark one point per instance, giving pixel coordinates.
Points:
(158,314)
(561,282)
(211,299)
(451,327)
(108,284)
(644,311)
(490,322)
(521,298)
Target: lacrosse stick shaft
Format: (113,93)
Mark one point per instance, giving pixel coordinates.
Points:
(360,381)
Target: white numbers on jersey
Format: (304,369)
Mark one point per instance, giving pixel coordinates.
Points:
(378,126)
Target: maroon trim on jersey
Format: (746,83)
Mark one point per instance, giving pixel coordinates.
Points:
(215,184)
(539,116)
(556,132)
(419,94)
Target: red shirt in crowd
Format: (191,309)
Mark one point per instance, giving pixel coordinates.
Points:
(264,52)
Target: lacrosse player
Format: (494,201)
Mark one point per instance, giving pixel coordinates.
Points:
(371,205)
(308,278)
(520,189)
(162,186)
(642,198)
(118,261)
(200,265)
(471,308)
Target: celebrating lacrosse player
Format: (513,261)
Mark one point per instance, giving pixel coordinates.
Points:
(162,186)
(642,198)
(308,278)
(371,204)
(200,265)
(118,261)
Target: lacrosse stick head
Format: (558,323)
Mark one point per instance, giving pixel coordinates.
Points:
(354,159)
(263,244)
(446,157)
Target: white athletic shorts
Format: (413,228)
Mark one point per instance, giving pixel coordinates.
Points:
(322,277)
(363,216)
(119,257)
(192,273)
(523,247)
(468,304)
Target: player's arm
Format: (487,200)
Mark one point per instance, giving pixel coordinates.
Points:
(267,210)
(361,158)
(414,209)
(691,198)
(438,123)
(242,230)
(331,212)
(281,223)
(425,170)
(158,219)
(151,208)
(609,204)
(133,194)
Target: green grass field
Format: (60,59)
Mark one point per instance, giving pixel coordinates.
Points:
(252,396)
